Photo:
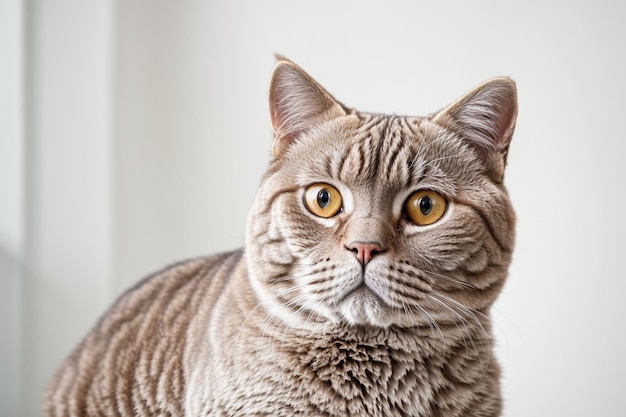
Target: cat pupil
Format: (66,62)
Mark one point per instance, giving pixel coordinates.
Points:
(323,198)
(426,205)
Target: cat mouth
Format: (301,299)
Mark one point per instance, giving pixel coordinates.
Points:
(368,283)
(363,291)
(368,288)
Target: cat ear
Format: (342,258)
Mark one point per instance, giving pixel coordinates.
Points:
(297,103)
(485,117)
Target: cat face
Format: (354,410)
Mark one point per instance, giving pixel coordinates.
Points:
(381,220)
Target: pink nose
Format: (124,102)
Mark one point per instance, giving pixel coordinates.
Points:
(364,250)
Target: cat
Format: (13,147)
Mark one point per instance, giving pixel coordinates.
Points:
(375,248)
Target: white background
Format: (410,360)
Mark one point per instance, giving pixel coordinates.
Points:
(133,134)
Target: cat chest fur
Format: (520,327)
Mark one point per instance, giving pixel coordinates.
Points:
(369,379)
(342,374)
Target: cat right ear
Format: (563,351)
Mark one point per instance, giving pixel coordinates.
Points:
(297,103)
(485,117)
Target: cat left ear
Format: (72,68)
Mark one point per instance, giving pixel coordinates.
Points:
(485,117)
(297,103)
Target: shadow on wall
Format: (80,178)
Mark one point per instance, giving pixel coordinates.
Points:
(31,307)
(11,331)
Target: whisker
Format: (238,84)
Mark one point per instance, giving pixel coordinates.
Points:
(462,321)
(422,149)
(432,323)
(291,289)
(443,158)
(245,321)
(450,279)
(473,314)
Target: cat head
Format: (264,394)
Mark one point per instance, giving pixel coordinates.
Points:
(381,220)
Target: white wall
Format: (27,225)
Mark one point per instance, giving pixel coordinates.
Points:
(67,280)
(185,170)
(147,132)
(11,204)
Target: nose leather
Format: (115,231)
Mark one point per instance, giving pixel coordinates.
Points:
(364,250)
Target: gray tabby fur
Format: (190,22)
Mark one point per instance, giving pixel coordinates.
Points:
(295,324)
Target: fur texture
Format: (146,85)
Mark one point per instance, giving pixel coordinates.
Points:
(361,312)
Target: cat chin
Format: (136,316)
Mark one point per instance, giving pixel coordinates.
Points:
(364,307)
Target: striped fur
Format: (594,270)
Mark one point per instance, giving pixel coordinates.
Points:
(294,324)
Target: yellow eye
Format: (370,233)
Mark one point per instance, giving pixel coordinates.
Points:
(323,200)
(425,207)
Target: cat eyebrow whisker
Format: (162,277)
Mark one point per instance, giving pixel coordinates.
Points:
(424,147)
(442,158)
(420,156)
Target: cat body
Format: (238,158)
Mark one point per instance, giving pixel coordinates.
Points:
(375,248)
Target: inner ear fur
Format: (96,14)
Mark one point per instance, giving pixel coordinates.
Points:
(485,117)
(297,103)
